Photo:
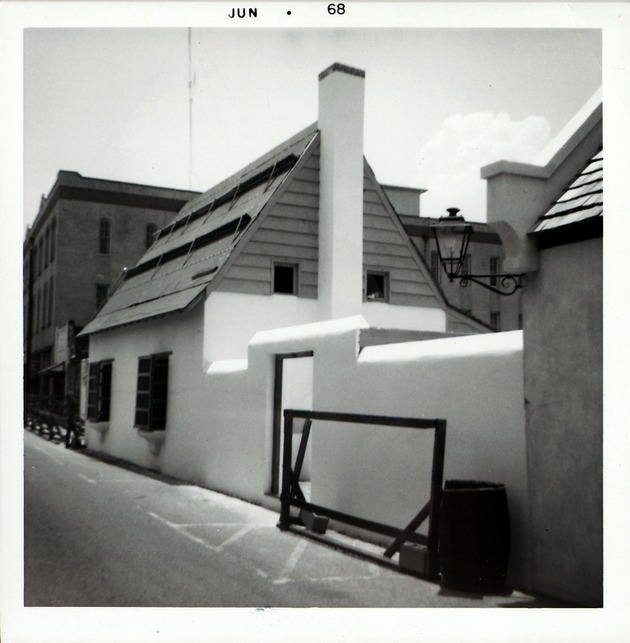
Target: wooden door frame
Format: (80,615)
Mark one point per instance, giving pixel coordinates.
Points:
(277,416)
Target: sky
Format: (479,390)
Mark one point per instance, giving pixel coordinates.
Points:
(440,103)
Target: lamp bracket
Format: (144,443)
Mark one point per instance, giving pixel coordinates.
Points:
(509,284)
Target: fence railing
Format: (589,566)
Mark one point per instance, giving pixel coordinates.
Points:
(55,418)
(293,496)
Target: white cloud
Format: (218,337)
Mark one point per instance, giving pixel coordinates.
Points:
(449,164)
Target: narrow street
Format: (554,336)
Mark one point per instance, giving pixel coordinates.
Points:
(98,534)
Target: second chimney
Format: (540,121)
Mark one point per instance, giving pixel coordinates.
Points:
(341,99)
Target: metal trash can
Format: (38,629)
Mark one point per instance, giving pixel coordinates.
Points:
(474,537)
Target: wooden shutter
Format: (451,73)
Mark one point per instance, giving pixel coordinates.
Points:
(104,391)
(92,406)
(143,394)
(159,392)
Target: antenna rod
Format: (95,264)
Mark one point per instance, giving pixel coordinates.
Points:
(190,110)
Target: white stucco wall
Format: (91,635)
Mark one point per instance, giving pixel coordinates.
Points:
(232,319)
(381,315)
(181,336)
(474,382)
(220,418)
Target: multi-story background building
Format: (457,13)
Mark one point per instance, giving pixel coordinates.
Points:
(86,233)
(484,257)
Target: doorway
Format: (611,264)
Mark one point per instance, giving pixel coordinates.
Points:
(293,389)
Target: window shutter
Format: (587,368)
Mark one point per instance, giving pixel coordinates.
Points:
(104,391)
(143,394)
(159,392)
(92,406)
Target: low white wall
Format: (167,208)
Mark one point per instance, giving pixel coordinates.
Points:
(474,382)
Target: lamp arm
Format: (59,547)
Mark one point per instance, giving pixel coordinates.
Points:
(511,283)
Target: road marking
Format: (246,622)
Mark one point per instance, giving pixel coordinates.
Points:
(86,478)
(326,579)
(239,534)
(182,529)
(293,560)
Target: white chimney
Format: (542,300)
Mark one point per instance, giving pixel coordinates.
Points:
(341,94)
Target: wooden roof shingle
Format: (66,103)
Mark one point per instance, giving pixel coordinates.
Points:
(188,254)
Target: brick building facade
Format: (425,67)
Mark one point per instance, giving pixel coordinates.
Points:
(86,232)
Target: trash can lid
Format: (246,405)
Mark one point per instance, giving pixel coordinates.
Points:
(470,485)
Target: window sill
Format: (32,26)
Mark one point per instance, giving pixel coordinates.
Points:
(155,439)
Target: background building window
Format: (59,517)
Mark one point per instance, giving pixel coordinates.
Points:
(152,393)
(46,247)
(101,294)
(44,306)
(495,320)
(53,230)
(50,301)
(104,236)
(376,286)
(150,231)
(37,306)
(495,269)
(285,278)
(435,266)
(99,391)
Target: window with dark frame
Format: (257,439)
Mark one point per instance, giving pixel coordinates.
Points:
(104,236)
(37,310)
(53,230)
(99,391)
(102,291)
(495,320)
(50,301)
(376,286)
(44,306)
(285,278)
(152,393)
(46,246)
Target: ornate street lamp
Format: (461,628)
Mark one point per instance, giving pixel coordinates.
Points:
(452,234)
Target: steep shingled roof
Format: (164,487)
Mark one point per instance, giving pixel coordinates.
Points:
(582,200)
(187,255)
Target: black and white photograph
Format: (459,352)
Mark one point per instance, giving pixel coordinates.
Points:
(313,316)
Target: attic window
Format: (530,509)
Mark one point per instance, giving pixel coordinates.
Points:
(285,278)
(377,286)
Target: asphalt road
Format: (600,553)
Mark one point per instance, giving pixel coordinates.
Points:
(97,534)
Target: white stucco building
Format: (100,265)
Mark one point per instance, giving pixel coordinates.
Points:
(294,283)
(303,234)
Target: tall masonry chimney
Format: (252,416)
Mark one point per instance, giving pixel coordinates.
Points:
(341,94)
